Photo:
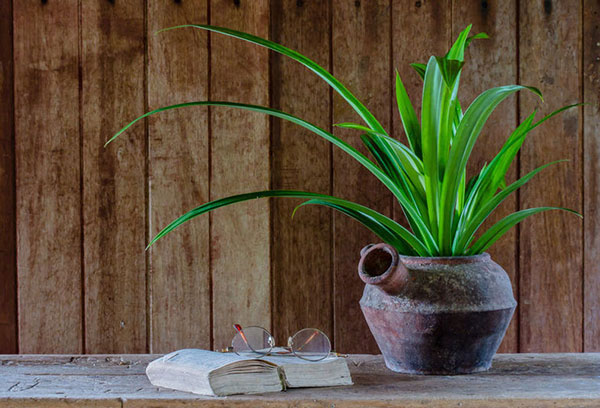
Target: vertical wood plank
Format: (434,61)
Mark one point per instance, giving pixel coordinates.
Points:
(361,60)
(482,71)
(420,29)
(301,247)
(239,163)
(8,266)
(591,177)
(113,178)
(551,247)
(178,168)
(48,176)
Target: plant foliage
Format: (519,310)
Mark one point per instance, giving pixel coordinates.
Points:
(427,177)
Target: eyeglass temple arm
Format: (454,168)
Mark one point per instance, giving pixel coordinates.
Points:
(241,332)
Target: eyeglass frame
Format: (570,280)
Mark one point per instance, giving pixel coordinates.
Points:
(289,348)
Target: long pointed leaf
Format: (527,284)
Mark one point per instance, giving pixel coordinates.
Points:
(357,105)
(400,163)
(466,135)
(408,117)
(419,69)
(392,164)
(378,229)
(379,218)
(398,230)
(457,51)
(358,156)
(488,207)
(506,223)
(433,87)
(490,175)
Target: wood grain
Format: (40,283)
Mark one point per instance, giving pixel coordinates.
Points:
(47,145)
(420,29)
(136,186)
(113,178)
(515,380)
(361,55)
(482,71)
(8,254)
(301,247)
(178,171)
(550,243)
(239,164)
(591,175)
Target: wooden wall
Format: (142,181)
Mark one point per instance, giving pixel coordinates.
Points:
(75,217)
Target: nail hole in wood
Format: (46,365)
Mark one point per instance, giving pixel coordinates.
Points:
(236,3)
(485,7)
(44,1)
(111,1)
(417,4)
(177,1)
(357,3)
(548,6)
(299,3)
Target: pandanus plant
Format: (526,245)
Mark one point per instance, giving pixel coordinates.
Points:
(428,177)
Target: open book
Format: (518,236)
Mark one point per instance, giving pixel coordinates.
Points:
(219,374)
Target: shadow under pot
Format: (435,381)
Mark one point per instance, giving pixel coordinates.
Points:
(439,315)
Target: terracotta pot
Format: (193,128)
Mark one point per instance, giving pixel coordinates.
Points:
(435,315)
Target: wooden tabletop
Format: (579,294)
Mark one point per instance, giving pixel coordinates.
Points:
(516,380)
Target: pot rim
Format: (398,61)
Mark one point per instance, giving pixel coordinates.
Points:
(443,260)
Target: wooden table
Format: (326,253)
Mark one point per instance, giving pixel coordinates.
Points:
(516,380)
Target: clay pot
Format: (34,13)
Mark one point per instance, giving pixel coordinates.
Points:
(435,315)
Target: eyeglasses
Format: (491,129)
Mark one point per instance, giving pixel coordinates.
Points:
(307,344)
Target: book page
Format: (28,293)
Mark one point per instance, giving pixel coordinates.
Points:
(203,360)
(298,372)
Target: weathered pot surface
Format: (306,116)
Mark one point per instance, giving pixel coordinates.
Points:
(443,315)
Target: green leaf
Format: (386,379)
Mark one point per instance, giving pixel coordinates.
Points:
(457,51)
(491,175)
(355,126)
(419,69)
(398,236)
(381,231)
(478,36)
(401,195)
(494,176)
(431,113)
(382,160)
(372,218)
(505,224)
(458,115)
(450,69)
(396,164)
(362,111)
(410,122)
(463,238)
(466,135)
(556,112)
(411,164)
(447,123)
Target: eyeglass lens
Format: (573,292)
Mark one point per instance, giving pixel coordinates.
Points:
(252,341)
(310,344)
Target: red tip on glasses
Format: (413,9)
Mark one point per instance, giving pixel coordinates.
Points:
(255,341)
